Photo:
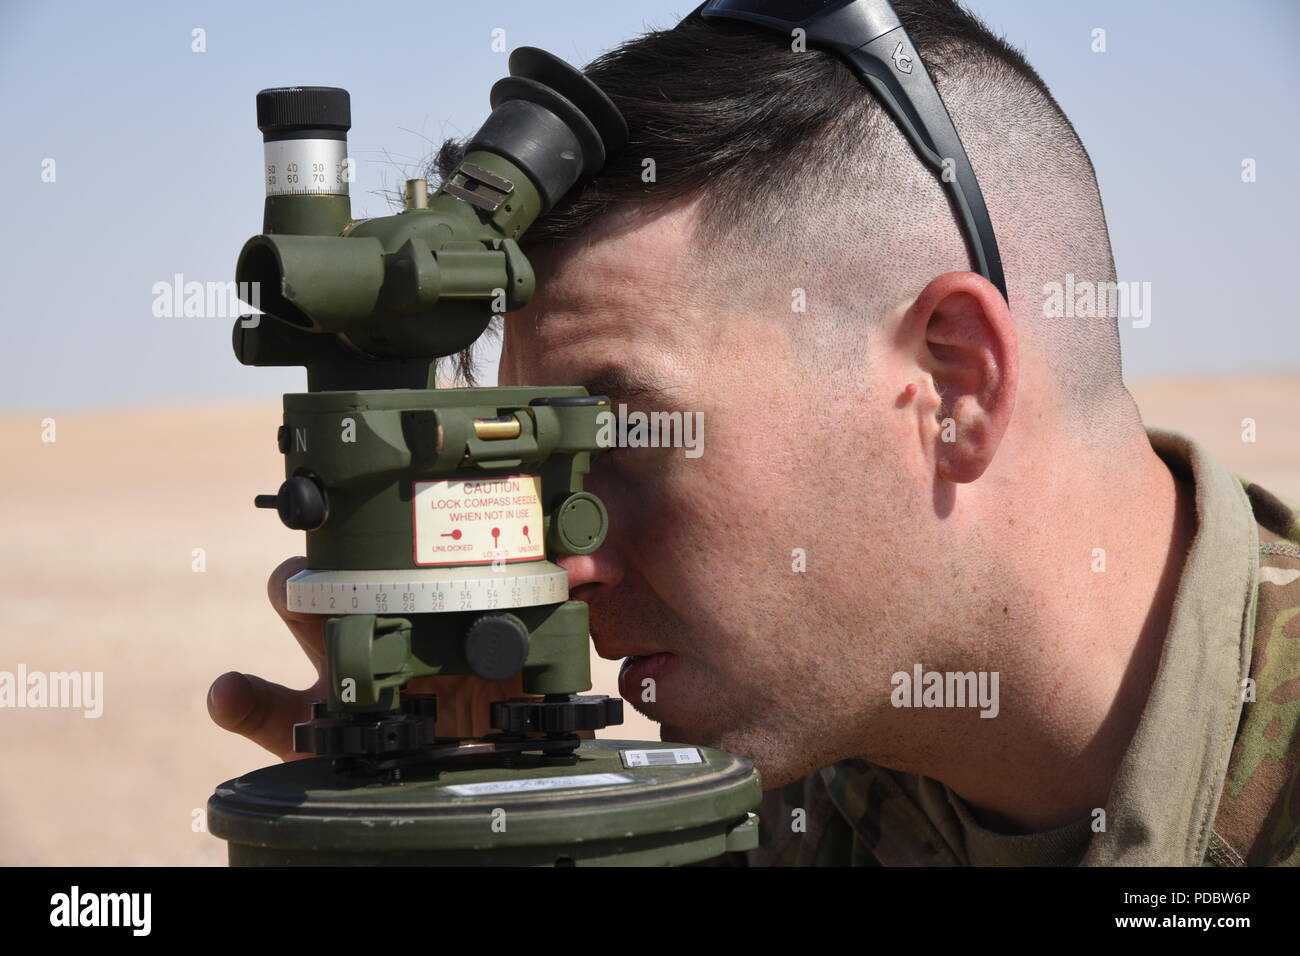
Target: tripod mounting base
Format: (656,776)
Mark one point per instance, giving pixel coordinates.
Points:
(612,802)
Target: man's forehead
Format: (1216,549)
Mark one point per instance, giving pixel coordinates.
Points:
(629,267)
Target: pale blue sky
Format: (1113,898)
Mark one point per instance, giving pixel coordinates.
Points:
(159,162)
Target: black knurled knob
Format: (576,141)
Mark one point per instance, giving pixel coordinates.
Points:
(557,714)
(300,503)
(496,646)
(287,108)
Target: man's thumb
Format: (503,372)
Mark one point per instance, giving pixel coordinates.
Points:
(257,709)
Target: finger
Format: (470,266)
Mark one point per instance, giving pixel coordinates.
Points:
(263,712)
(307,629)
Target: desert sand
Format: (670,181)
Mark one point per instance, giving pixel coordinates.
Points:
(101,528)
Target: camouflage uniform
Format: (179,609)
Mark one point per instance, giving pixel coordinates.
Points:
(1212,774)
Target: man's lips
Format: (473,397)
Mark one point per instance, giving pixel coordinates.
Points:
(611,651)
(641,673)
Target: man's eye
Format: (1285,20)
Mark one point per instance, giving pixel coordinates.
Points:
(622,386)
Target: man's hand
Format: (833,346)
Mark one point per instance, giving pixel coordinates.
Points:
(265,712)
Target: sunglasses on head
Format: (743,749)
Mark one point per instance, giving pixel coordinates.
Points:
(869,37)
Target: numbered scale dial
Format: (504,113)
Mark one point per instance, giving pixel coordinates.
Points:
(428,590)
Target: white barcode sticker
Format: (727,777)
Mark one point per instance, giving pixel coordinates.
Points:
(669,757)
(541,783)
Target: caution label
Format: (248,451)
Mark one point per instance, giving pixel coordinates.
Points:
(478,520)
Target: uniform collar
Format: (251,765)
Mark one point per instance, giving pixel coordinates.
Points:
(1167,789)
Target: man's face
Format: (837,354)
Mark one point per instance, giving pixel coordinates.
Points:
(787,666)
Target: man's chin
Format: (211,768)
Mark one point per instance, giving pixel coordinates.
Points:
(670,733)
(756,749)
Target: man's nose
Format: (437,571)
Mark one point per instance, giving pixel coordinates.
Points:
(591,576)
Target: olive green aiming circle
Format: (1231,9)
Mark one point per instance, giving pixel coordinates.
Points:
(370,358)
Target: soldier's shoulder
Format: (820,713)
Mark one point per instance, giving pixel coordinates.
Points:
(1258,821)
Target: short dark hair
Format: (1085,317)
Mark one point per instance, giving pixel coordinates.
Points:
(731,117)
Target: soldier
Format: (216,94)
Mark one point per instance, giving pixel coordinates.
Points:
(906,473)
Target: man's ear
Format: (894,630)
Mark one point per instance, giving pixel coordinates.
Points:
(968,357)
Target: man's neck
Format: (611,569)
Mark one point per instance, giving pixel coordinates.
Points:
(1100,587)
